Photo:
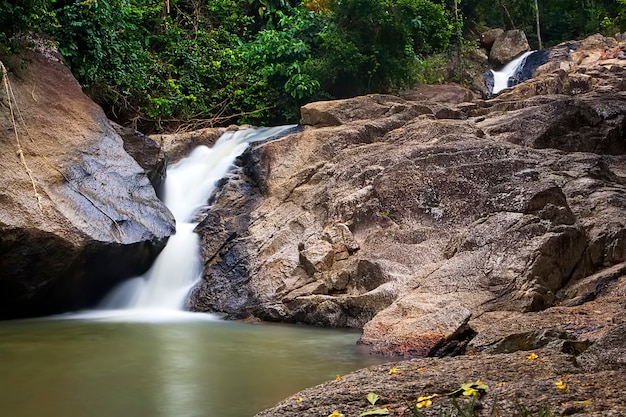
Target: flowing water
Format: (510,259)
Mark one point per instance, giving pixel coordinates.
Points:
(188,186)
(141,356)
(501,78)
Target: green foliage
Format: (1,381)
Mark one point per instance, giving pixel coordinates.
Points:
(254,61)
(372,45)
(427,24)
(22,16)
(560,20)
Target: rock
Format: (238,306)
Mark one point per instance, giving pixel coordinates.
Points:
(425,328)
(576,67)
(449,94)
(507,46)
(94,218)
(178,145)
(436,235)
(607,353)
(489,37)
(317,257)
(337,112)
(568,124)
(516,386)
(146,152)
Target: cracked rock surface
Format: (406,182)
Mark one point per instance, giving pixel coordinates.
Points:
(413,218)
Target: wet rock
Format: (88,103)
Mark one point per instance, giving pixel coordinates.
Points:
(94,218)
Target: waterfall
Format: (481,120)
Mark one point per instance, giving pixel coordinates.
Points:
(503,79)
(188,186)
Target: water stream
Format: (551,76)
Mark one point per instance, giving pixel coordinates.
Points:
(141,356)
(502,78)
(188,186)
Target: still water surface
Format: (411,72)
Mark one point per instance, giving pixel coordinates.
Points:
(190,366)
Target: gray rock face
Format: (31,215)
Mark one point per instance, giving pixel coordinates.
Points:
(94,218)
(146,152)
(410,218)
(507,46)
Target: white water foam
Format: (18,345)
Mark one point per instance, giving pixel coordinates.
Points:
(188,186)
(501,78)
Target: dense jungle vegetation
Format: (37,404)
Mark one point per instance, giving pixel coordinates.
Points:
(157,63)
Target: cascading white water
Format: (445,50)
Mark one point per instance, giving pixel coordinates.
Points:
(501,78)
(188,186)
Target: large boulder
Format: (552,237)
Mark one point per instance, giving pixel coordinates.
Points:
(507,46)
(78,214)
(411,218)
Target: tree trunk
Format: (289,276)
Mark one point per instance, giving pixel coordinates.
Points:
(538,28)
(508,14)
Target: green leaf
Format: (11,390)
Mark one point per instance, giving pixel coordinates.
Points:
(375,412)
(372,398)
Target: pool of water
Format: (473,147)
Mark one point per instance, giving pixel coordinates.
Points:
(171,366)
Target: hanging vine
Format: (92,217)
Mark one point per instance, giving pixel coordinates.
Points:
(20,152)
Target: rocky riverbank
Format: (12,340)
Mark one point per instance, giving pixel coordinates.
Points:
(463,226)
(440,223)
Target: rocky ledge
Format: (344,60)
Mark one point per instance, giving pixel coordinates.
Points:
(441,228)
(77,213)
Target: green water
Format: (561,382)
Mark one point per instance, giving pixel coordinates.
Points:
(168,368)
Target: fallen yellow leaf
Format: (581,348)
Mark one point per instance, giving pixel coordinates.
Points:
(393,370)
(560,385)
(298,399)
(423,402)
(532,357)
(336,413)
(338,377)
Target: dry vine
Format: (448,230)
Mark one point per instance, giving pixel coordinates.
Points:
(20,151)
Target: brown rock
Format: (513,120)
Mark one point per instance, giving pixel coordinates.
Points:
(317,256)
(493,214)
(489,37)
(178,145)
(507,46)
(450,94)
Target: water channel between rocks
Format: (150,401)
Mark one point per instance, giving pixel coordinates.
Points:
(149,359)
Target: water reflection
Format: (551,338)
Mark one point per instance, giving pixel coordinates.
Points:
(180,368)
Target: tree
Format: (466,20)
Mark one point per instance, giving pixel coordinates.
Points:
(538,26)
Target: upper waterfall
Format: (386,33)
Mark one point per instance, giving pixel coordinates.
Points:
(502,78)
